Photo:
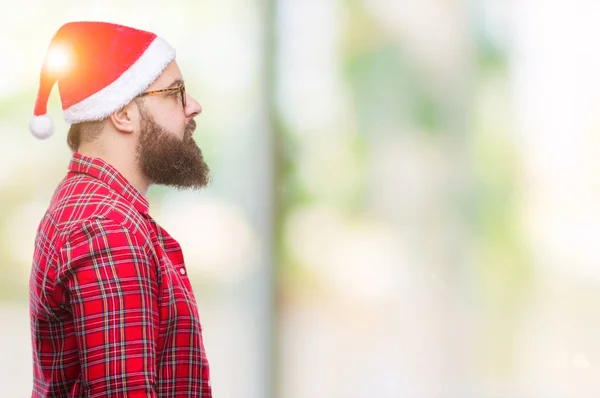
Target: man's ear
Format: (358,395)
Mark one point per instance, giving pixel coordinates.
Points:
(125,119)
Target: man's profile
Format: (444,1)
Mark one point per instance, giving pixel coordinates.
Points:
(112,309)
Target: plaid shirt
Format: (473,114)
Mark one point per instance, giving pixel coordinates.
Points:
(112,309)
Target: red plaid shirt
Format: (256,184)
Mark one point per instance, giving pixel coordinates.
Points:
(112,309)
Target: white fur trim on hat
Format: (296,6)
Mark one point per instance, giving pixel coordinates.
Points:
(119,93)
(41,126)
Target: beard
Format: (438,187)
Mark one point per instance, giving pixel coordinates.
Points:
(166,160)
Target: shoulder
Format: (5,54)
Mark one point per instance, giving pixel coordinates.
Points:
(102,241)
(102,249)
(103,232)
(85,205)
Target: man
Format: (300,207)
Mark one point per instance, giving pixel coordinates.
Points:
(112,310)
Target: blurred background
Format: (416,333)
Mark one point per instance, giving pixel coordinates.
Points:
(405,198)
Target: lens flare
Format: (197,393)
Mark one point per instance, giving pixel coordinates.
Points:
(58,59)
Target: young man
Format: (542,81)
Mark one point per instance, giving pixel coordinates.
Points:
(112,310)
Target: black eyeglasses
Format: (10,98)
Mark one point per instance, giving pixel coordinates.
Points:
(180,87)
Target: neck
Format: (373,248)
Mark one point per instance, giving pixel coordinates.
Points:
(123,160)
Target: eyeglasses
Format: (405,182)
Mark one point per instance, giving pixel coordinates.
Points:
(180,87)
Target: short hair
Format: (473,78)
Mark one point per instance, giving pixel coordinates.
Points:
(83,132)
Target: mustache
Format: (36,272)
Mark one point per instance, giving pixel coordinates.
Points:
(190,128)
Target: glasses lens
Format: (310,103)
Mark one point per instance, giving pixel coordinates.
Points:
(182,90)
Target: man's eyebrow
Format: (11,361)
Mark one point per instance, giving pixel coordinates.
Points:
(175,83)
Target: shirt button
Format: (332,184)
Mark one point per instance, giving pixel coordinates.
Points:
(182,271)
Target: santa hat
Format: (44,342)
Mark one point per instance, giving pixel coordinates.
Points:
(100,67)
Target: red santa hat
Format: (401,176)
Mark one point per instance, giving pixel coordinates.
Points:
(100,67)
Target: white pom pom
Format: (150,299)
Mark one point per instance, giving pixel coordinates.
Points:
(41,126)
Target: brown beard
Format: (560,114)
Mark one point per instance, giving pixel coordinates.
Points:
(166,160)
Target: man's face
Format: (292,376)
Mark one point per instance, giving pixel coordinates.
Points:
(167,159)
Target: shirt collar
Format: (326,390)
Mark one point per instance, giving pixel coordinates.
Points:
(98,168)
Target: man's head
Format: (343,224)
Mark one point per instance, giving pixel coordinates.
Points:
(122,85)
(157,125)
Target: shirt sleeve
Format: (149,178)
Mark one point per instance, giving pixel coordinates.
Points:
(111,290)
